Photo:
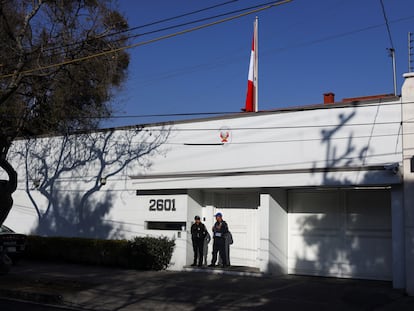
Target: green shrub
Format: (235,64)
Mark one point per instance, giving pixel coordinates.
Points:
(158,252)
(142,253)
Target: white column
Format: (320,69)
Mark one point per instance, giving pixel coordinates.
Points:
(274,235)
(263,218)
(398,244)
(407,95)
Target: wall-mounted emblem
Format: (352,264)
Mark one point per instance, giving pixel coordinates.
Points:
(225,135)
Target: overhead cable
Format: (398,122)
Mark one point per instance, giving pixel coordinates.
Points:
(143,26)
(387,23)
(112,51)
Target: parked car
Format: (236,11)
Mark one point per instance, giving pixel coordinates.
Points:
(12,244)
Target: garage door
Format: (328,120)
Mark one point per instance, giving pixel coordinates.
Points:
(341,233)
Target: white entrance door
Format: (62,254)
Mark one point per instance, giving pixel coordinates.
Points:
(340,233)
(240,213)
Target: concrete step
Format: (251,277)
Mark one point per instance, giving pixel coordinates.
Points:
(230,270)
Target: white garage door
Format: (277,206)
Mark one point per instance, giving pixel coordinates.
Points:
(341,233)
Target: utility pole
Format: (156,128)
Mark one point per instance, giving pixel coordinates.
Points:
(394,69)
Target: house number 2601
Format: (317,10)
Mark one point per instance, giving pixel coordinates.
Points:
(162,205)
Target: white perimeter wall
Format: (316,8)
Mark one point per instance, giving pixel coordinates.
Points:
(260,144)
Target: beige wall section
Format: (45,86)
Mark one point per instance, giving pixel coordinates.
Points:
(408,152)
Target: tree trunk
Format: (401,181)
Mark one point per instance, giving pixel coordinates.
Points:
(7,187)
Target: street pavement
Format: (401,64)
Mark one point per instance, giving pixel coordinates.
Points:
(99,288)
(14,305)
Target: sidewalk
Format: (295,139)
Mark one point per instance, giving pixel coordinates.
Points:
(98,288)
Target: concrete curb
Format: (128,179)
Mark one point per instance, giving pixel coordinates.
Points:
(43,298)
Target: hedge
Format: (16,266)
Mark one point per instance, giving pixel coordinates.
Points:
(141,253)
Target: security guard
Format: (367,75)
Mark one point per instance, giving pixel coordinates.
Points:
(220,230)
(198,234)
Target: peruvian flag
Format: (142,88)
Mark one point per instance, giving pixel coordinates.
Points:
(251,97)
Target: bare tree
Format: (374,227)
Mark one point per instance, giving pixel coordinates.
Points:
(43,89)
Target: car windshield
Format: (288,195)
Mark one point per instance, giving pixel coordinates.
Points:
(4,229)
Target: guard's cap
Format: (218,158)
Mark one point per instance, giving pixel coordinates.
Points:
(197,218)
(218,215)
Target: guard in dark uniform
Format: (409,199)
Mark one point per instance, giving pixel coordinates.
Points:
(220,230)
(198,234)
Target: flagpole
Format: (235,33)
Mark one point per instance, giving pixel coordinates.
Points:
(256,65)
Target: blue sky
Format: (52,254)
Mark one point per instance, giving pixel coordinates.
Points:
(306,48)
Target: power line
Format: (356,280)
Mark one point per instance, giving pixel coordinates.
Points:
(156,30)
(387,23)
(172,26)
(163,129)
(62,53)
(168,127)
(173,114)
(204,19)
(212,113)
(339,35)
(183,114)
(280,141)
(112,51)
(273,141)
(272,51)
(282,110)
(143,26)
(261,128)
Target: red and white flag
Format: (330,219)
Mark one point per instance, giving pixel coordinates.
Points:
(251,97)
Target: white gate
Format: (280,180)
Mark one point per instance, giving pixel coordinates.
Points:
(240,213)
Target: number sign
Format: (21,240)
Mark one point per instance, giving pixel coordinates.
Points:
(162,205)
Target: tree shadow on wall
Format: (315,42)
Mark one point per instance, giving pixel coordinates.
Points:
(64,220)
(65,177)
(344,232)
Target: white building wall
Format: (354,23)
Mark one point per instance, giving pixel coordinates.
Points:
(408,171)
